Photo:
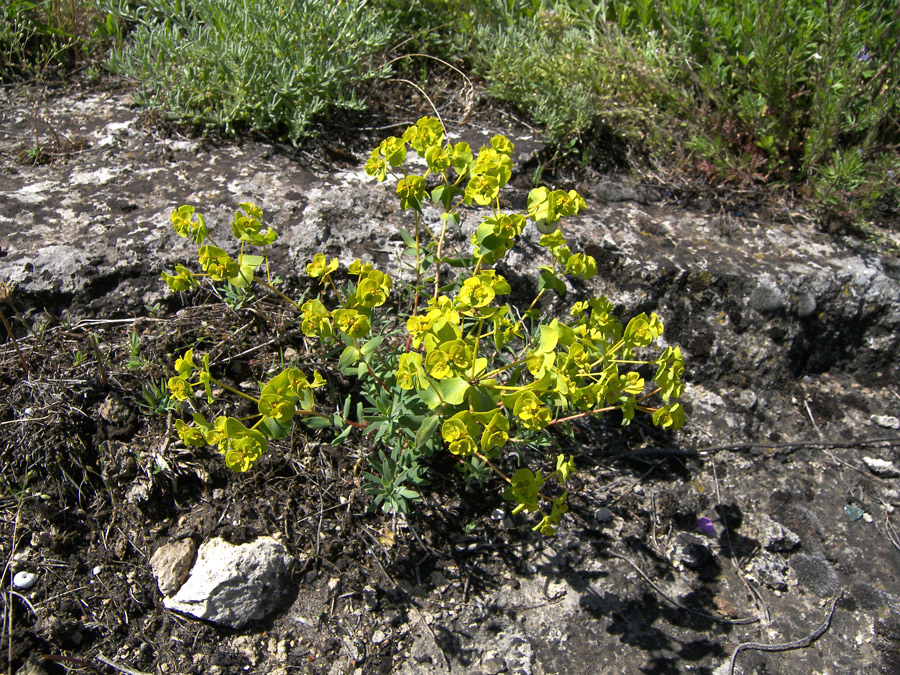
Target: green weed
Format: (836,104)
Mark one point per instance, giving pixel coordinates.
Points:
(466,373)
(38,35)
(267,65)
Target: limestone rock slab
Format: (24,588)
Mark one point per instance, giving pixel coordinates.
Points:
(231,585)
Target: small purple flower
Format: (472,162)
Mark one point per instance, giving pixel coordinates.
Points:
(863,54)
(705,525)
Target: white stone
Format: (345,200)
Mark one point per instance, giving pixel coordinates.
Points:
(886,421)
(881,467)
(233,585)
(24,580)
(775,537)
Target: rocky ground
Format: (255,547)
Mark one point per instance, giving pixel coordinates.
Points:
(792,448)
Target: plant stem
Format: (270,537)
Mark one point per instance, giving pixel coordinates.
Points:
(583,414)
(418,266)
(15,344)
(233,390)
(334,287)
(100,365)
(274,290)
(499,370)
(437,262)
(368,367)
(475,348)
(493,466)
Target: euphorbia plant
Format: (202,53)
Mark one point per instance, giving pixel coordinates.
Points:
(466,372)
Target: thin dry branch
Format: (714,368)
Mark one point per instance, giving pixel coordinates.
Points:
(802,643)
(710,617)
(120,667)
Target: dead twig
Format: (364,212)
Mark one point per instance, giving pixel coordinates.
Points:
(737,568)
(409,598)
(710,617)
(120,667)
(7,573)
(891,532)
(787,646)
(26,601)
(12,337)
(813,420)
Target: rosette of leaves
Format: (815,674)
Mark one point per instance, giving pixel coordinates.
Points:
(216,263)
(284,396)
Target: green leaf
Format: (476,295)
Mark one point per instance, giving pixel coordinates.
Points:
(444,194)
(454,390)
(458,262)
(347,408)
(430,396)
(444,331)
(549,338)
(244,277)
(550,280)
(371,345)
(408,239)
(275,429)
(484,398)
(277,385)
(426,431)
(341,436)
(379,432)
(348,360)
(316,422)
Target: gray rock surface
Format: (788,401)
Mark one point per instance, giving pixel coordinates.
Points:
(234,585)
(773,536)
(771,301)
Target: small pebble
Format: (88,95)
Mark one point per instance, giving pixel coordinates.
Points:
(854,513)
(886,421)
(498,514)
(603,515)
(378,637)
(24,580)
(96,570)
(881,467)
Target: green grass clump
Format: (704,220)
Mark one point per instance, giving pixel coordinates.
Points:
(801,91)
(266,65)
(577,78)
(37,35)
(804,93)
